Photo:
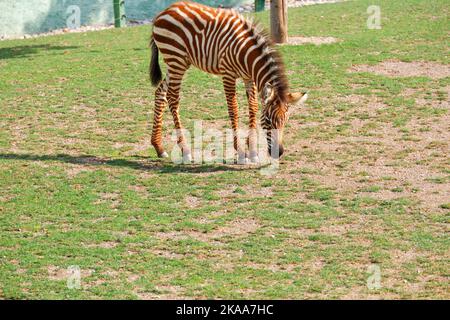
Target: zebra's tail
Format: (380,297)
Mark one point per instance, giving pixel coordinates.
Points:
(155,69)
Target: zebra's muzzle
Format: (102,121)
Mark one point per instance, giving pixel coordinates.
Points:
(276,152)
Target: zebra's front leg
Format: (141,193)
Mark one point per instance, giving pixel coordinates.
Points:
(229,83)
(173,98)
(160,104)
(252,98)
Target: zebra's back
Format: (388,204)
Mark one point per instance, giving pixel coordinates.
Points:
(198,35)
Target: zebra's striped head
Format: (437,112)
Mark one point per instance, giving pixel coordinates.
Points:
(275,114)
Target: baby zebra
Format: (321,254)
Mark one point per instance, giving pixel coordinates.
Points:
(222,42)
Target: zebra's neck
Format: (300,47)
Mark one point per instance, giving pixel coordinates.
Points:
(271,72)
(265,65)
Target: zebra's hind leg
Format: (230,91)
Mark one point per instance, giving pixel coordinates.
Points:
(252,98)
(160,104)
(229,84)
(173,98)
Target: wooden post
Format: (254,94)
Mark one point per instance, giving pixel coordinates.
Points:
(278,21)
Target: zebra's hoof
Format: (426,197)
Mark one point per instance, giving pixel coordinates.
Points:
(254,159)
(243,160)
(164,155)
(187,158)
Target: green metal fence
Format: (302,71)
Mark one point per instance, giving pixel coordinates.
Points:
(120,19)
(24,17)
(259,5)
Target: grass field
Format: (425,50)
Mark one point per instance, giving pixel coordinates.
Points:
(365,180)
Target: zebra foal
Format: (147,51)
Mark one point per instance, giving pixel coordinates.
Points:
(221,42)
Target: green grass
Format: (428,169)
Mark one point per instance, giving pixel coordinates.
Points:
(81,185)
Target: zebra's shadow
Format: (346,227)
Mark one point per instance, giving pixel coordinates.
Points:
(135,162)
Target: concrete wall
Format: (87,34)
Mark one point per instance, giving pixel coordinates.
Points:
(20,17)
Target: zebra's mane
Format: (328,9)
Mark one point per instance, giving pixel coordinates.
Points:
(276,66)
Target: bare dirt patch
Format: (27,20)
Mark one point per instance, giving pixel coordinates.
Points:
(18,134)
(378,159)
(311,40)
(91,160)
(133,277)
(234,229)
(170,235)
(73,170)
(211,217)
(192,202)
(434,99)
(85,110)
(164,292)
(109,197)
(360,293)
(400,257)
(257,191)
(143,145)
(141,190)
(228,192)
(104,245)
(167,254)
(57,273)
(6,198)
(274,267)
(393,68)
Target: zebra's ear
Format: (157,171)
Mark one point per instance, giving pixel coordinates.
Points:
(268,93)
(295,100)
